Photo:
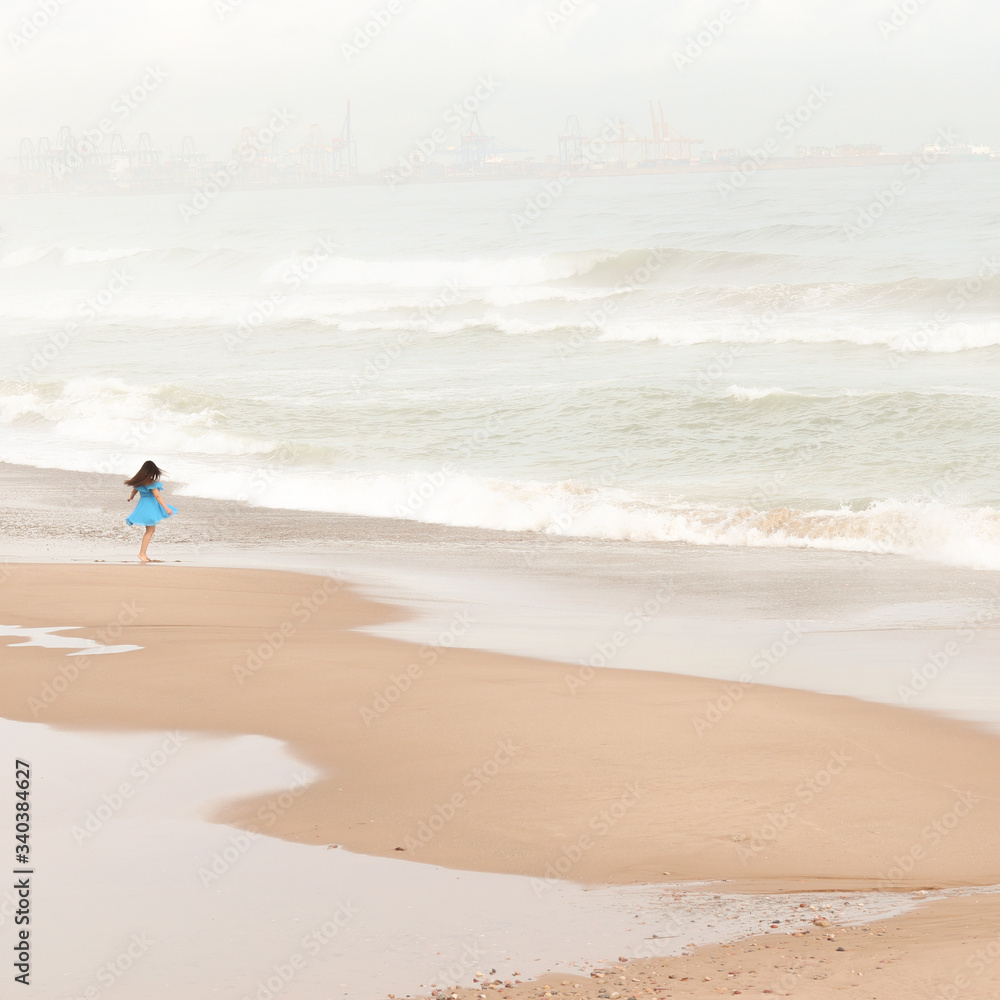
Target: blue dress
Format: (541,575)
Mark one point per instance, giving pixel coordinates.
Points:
(148,511)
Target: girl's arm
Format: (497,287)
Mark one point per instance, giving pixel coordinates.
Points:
(156,493)
(131,495)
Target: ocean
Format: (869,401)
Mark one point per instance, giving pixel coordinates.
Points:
(806,361)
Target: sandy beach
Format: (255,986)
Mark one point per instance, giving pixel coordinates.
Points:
(679,763)
(477,521)
(481,761)
(429,750)
(489,762)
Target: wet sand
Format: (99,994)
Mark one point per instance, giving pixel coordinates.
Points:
(949,950)
(488,762)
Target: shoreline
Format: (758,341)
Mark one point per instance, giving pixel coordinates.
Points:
(794,618)
(15,185)
(947,950)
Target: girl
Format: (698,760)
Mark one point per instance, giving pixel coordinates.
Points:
(150,509)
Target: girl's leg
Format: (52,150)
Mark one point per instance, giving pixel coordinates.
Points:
(146,536)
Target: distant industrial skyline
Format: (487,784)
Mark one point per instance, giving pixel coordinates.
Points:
(726,71)
(440,140)
(621,140)
(102,162)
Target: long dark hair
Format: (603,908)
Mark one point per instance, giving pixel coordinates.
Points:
(149,473)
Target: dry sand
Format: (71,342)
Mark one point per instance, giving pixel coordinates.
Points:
(498,763)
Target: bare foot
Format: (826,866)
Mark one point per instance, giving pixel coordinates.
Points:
(144,558)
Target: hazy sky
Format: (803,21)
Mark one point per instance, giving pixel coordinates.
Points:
(229,63)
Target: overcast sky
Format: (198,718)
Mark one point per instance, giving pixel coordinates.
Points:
(229,63)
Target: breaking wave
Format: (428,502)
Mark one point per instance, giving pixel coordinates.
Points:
(922,529)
